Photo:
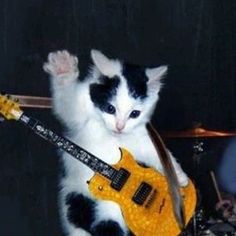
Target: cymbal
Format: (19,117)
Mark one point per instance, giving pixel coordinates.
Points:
(197,133)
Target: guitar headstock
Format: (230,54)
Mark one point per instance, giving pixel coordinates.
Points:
(9,108)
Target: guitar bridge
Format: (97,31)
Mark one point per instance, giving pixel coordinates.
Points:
(120,179)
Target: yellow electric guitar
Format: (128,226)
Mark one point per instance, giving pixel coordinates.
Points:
(142,193)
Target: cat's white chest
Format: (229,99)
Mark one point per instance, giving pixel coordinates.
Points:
(99,143)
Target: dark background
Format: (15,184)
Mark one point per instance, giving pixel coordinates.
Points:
(195,38)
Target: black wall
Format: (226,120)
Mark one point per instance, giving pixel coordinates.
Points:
(195,38)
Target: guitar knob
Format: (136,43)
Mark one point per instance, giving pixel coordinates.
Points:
(100,188)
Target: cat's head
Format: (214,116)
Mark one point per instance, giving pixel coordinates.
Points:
(124,95)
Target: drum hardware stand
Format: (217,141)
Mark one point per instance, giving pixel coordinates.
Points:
(197,151)
(197,220)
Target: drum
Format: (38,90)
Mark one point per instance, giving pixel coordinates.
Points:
(219,229)
(223,229)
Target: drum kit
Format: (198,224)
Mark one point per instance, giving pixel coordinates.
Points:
(199,226)
(223,225)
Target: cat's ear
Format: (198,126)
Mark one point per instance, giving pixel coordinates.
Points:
(154,76)
(106,66)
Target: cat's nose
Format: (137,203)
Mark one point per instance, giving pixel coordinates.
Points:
(120,126)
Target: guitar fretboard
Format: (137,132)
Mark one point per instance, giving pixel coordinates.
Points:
(94,163)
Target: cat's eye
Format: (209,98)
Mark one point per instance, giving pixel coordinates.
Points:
(110,109)
(134,114)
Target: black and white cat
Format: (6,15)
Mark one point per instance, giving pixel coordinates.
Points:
(107,110)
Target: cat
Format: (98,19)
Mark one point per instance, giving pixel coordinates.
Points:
(106,110)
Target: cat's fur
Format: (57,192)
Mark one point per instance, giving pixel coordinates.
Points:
(84,107)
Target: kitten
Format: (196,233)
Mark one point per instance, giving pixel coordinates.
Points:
(107,110)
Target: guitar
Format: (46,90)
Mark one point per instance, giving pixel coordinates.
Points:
(142,193)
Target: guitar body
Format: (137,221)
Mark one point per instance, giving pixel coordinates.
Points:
(154,217)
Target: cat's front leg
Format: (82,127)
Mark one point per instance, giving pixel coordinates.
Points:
(68,100)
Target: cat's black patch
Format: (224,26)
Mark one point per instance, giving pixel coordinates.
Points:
(136,80)
(102,93)
(107,228)
(80,210)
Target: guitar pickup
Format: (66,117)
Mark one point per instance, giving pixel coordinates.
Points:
(120,179)
(142,193)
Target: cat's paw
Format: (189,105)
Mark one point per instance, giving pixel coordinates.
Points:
(62,64)
(107,228)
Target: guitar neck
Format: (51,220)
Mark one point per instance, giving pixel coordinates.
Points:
(94,163)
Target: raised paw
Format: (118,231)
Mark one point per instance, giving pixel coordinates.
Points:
(61,64)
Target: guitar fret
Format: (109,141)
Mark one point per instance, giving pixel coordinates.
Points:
(74,150)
